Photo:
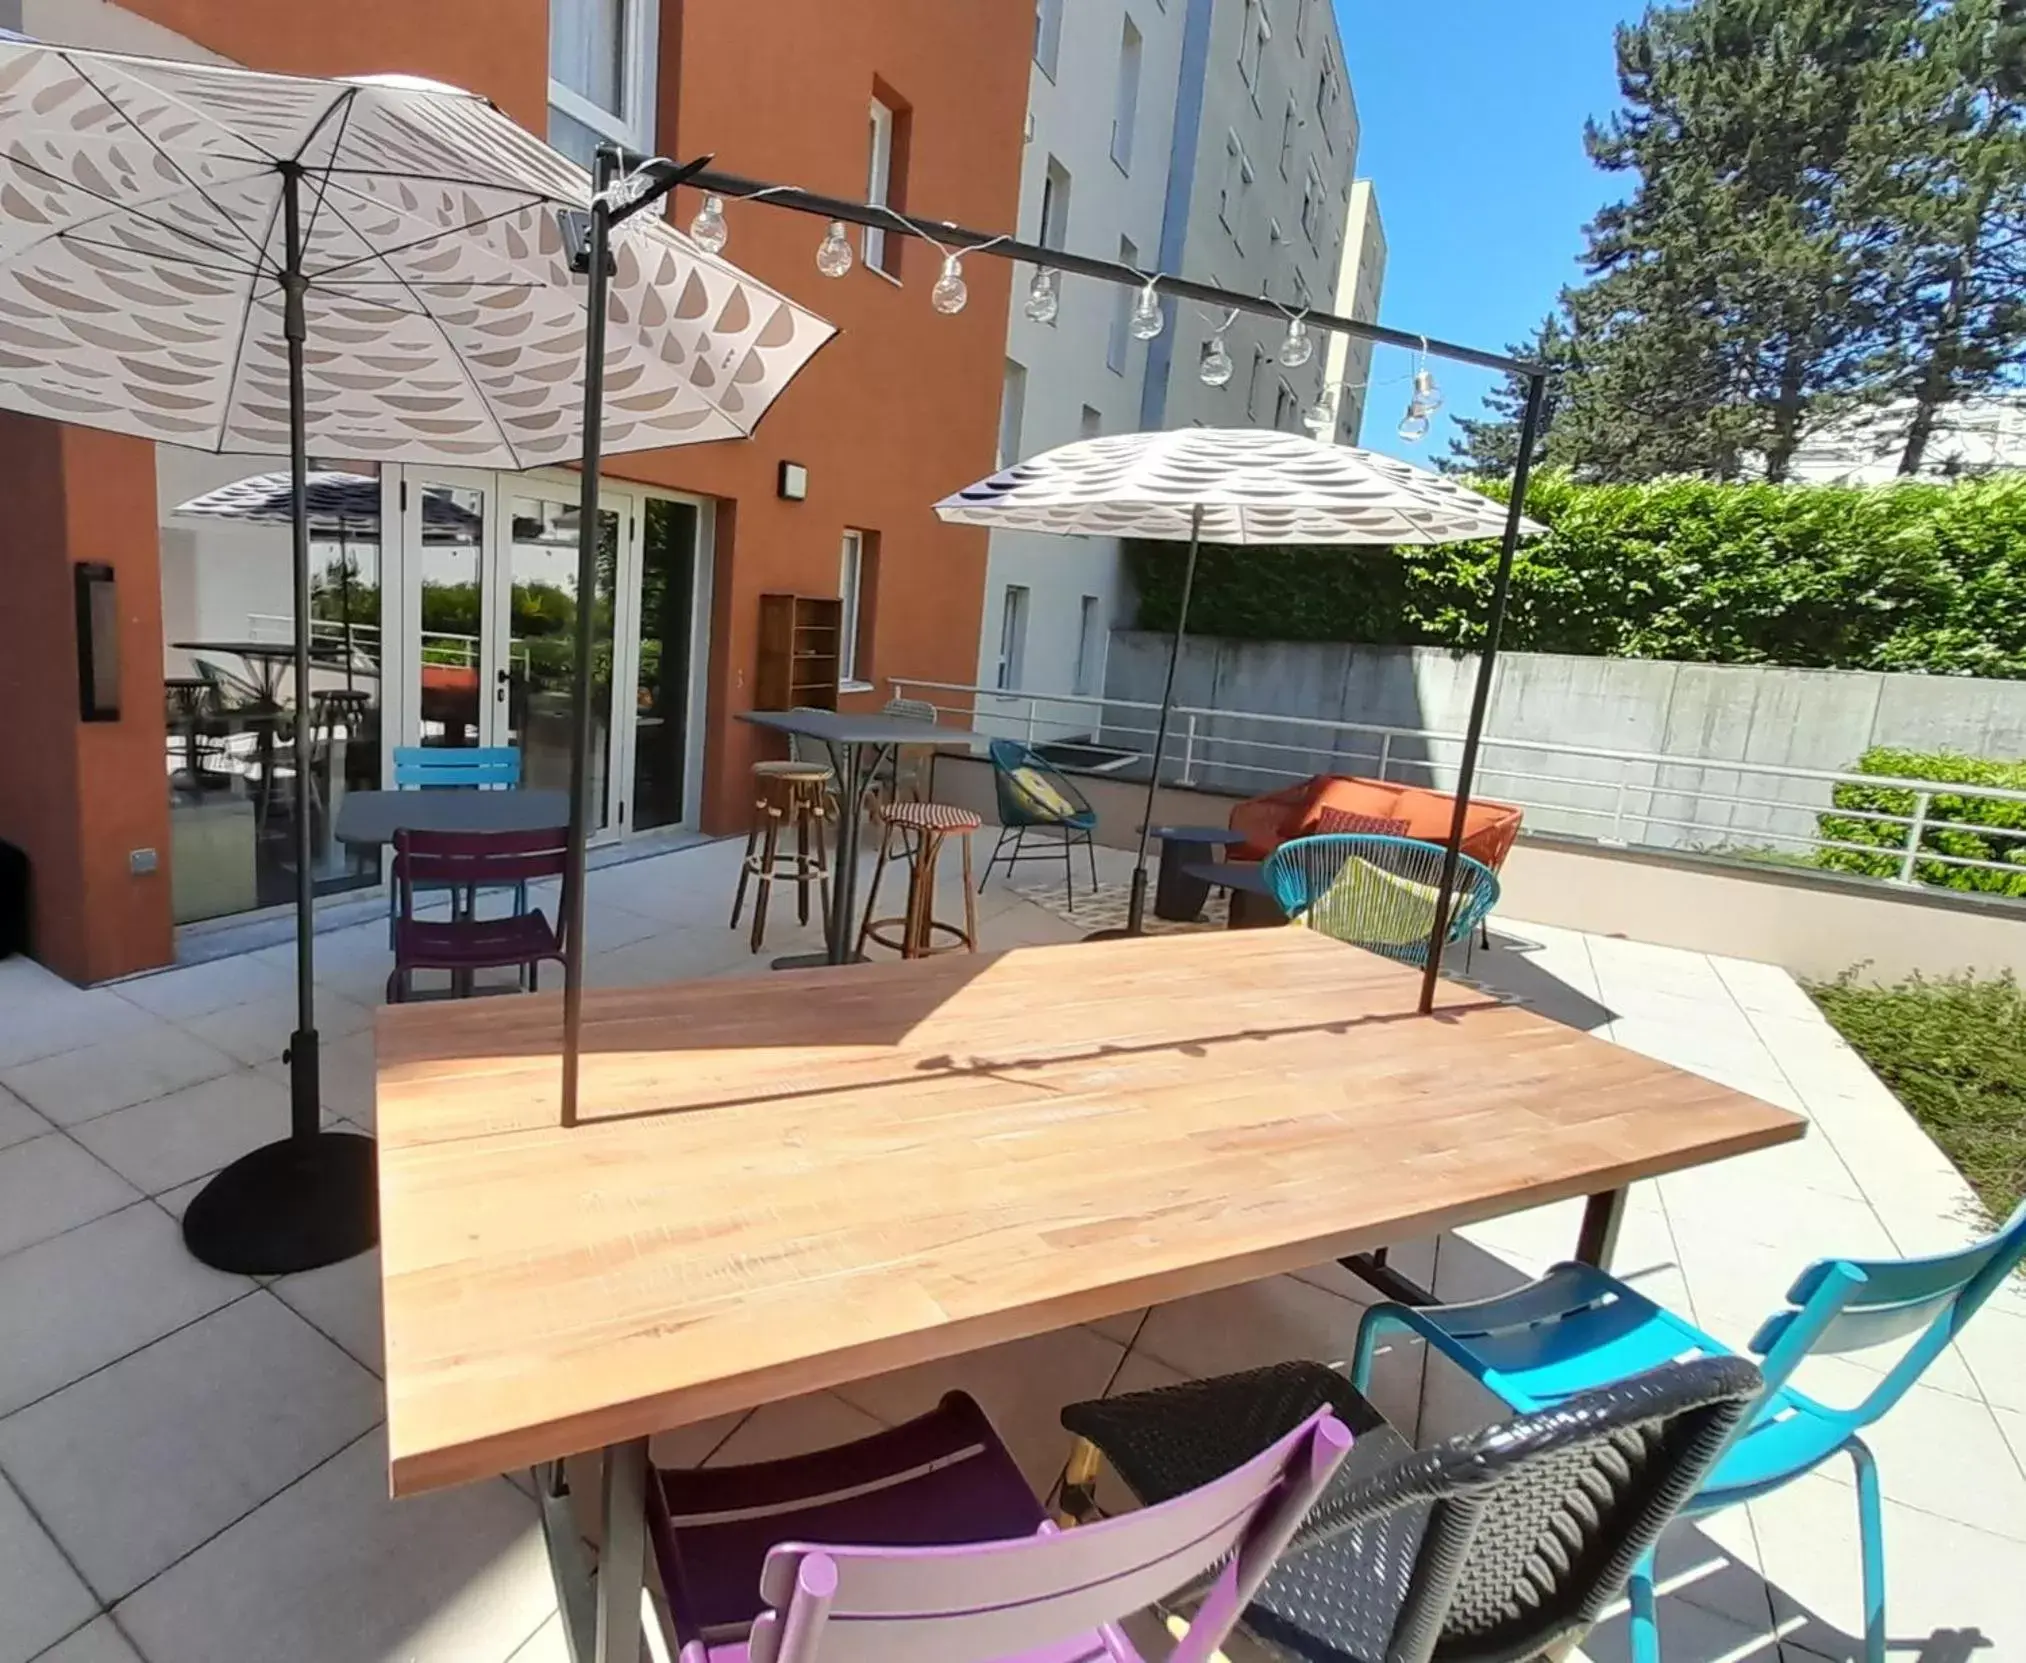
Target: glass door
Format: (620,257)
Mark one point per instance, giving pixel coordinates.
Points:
(448,535)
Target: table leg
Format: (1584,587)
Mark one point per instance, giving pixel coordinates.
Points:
(569,1562)
(1598,1239)
(622,1556)
(856,769)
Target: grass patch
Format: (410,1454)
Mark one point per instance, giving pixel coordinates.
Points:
(1953,1049)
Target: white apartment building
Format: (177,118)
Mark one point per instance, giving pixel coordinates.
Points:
(1213,138)
(1359,279)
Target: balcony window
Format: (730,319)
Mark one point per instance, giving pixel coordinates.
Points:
(881,187)
(1126,100)
(1047,35)
(601,75)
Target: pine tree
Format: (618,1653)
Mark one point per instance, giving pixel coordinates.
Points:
(1489,445)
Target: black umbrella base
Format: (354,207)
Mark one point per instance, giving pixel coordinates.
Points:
(1125,934)
(293,1205)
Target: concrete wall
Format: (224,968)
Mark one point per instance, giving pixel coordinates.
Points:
(1811,719)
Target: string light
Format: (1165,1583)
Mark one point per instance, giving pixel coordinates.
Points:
(1042,300)
(1422,403)
(949,294)
(1322,415)
(1147,321)
(1296,349)
(1215,368)
(708,230)
(833,254)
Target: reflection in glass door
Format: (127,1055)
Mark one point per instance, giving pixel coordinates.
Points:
(661,705)
(450,552)
(535,681)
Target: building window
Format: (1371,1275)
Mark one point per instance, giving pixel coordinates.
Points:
(1313,195)
(1290,123)
(882,183)
(1254,380)
(1013,639)
(1090,424)
(1252,45)
(601,75)
(1126,102)
(1286,410)
(1055,205)
(1326,102)
(1089,647)
(1047,35)
(1123,299)
(1301,8)
(1231,193)
(857,581)
(1012,413)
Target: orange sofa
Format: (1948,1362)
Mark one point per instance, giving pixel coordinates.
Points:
(1267,822)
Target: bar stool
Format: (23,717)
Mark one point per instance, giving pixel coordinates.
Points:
(927,824)
(782,792)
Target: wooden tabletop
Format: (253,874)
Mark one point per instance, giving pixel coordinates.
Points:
(790,1182)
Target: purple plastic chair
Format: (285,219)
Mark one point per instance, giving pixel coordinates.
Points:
(954,1560)
(465,863)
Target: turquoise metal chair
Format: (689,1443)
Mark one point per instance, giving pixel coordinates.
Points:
(1035,796)
(1578,1328)
(1377,892)
(451,767)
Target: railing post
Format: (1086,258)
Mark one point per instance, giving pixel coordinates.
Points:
(1385,753)
(1189,753)
(1914,828)
(1618,815)
(1032,705)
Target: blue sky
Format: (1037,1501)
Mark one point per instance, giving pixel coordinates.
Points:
(1472,114)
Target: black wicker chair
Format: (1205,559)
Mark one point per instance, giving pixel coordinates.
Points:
(1493,1547)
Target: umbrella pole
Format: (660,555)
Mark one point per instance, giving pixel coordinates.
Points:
(1136,907)
(1480,698)
(309,1199)
(598,283)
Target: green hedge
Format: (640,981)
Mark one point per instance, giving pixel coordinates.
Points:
(1954,825)
(1924,577)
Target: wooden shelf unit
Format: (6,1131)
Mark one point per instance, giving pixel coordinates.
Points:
(799,637)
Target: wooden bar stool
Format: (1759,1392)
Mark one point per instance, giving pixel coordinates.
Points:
(916,832)
(783,792)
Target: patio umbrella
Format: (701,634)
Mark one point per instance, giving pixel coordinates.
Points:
(341,505)
(1229,485)
(235,261)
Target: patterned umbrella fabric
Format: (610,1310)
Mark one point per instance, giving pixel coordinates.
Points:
(340,505)
(142,243)
(1250,485)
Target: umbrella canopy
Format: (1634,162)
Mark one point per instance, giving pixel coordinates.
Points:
(340,505)
(145,211)
(235,261)
(1228,485)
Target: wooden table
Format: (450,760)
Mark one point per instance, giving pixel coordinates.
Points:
(787,1184)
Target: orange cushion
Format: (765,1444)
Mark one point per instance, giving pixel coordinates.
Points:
(1350,796)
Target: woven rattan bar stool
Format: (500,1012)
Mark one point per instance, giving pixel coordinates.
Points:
(915,832)
(784,793)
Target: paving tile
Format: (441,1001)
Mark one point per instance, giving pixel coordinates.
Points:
(258,1031)
(163,1144)
(188,1434)
(18,1122)
(687,1446)
(1763,989)
(58,1017)
(548,1644)
(196,989)
(331,1569)
(794,1426)
(1689,1633)
(1247,1326)
(343,1302)
(96,1642)
(77,1301)
(74,1086)
(1021,1386)
(48,1184)
(41,1598)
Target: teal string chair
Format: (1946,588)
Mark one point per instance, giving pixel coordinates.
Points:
(1578,1328)
(1377,892)
(1036,797)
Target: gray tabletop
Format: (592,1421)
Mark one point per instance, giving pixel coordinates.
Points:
(836,727)
(374,817)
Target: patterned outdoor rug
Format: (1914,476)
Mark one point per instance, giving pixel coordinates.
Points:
(1105,908)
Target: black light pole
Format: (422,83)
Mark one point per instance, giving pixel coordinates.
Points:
(622,185)
(309,1199)
(1480,698)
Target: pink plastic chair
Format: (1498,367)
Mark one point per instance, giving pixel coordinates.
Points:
(465,863)
(955,1561)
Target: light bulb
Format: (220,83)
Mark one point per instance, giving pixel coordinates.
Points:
(1215,368)
(1427,396)
(708,230)
(949,294)
(1296,349)
(1042,300)
(833,253)
(1323,413)
(1414,425)
(1147,321)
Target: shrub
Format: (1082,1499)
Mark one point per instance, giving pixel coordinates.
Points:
(1969,828)
(1916,576)
(1954,1051)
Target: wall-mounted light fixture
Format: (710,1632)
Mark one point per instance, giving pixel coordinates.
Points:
(98,642)
(793,485)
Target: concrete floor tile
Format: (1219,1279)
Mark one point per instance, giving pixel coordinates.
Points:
(179,994)
(188,1434)
(41,1598)
(258,1031)
(48,1184)
(794,1426)
(79,1300)
(1250,1325)
(341,1301)
(18,1122)
(51,1016)
(331,1569)
(75,1086)
(96,1642)
(160,1145)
